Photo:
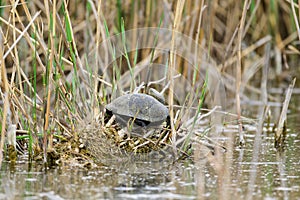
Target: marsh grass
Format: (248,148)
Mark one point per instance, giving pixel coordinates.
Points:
(58,82)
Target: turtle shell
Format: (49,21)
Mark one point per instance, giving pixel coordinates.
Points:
(145,109)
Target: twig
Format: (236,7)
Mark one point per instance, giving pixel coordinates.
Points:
(21,35)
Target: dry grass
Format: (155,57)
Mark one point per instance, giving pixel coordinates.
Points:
(56,74)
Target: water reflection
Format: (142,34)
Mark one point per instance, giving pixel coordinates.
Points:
(277,175)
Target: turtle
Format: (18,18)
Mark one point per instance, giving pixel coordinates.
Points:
(144,110)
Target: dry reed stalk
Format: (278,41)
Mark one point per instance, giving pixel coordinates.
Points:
(16,57)
(201,10)
(21,35)
(5,87)
(295,17)
(32,42)
(279,138)
(239,71)
(171,67)
(4,73)
(194,74)
(147,23)
(265,70)
(12,27)
(134,25)
(39,40)
(245,52)
(47,100)
(189,24)
(99,32)
(51,63)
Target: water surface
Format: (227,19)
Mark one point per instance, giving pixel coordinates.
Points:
(271,174)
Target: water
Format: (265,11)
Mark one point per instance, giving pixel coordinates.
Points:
(238,175)
(277,177)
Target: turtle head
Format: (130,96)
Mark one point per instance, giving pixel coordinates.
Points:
(157,95)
